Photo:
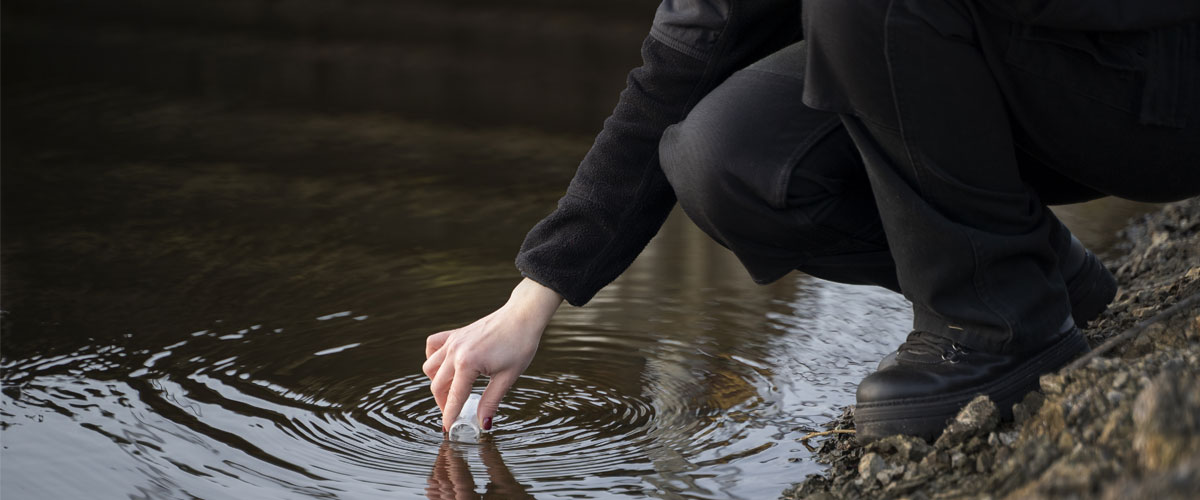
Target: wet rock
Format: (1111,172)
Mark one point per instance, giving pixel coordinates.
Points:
(814,486)
(978,418)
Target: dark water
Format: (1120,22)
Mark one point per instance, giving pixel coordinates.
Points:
(216,304)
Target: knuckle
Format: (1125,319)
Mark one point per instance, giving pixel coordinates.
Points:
(466,360)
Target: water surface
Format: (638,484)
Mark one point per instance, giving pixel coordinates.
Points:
(207,303)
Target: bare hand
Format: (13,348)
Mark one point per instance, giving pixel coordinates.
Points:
(499,345)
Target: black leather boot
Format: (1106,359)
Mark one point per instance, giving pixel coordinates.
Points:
(933,377)
(1090,287)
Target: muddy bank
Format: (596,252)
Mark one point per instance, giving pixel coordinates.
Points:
(1122,424)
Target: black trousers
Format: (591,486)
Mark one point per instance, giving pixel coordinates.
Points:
(929,169)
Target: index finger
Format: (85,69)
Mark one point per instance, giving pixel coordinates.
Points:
(435,342)
(460,389)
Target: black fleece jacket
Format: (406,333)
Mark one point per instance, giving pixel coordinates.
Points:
(619,196)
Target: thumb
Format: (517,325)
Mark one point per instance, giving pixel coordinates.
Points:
(489,403)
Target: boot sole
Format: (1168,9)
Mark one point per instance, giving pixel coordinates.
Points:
(926,417)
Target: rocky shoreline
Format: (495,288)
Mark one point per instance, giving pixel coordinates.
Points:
(1122,423)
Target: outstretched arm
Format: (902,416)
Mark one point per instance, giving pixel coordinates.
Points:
(619,197)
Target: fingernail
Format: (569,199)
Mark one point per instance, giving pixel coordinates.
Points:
(487,424)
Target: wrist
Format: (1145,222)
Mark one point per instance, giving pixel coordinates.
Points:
(535,298)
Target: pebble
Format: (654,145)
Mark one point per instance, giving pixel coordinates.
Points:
(978,418)
(1114,429)
(870,465)
(1115,397)
(1120,379)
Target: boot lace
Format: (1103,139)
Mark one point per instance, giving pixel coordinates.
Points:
(925,344)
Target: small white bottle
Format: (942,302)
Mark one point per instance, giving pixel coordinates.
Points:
(466,428)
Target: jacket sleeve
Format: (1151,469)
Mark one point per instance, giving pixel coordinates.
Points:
(1098,15)
(619,196)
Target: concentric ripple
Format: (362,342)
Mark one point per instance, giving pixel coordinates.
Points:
(664,403)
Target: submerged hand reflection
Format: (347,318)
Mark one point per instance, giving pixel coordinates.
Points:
(451,477)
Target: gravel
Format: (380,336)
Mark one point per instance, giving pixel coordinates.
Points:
(1122,425)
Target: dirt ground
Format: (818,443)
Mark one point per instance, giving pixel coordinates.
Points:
(1123,422)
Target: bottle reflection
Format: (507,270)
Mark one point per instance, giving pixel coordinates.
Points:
(451,477)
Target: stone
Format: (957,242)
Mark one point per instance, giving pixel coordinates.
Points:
(1101,363)
(901,447)
(885,476)
(1081,407)
(974,444)
(978,418)
(1115,427)
(1066,477)
(957,459)
(1166,418)
(1120,379)
(1047,423)
(1181,482)
(1052,383)
(935,463)
(1029,405)
(870,465)
(1066,441)
(983,463)
(1080,440)
(1115,397)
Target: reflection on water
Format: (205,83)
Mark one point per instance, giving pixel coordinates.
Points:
(451,478)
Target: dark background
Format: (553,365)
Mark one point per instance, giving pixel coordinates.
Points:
(536,63)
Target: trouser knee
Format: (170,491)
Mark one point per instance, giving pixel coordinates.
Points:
(778,213)
(697,170)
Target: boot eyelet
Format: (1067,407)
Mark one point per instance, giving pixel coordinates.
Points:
(955,353)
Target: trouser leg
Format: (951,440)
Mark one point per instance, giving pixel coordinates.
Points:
(776,182)
(783,186)
(971,239)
